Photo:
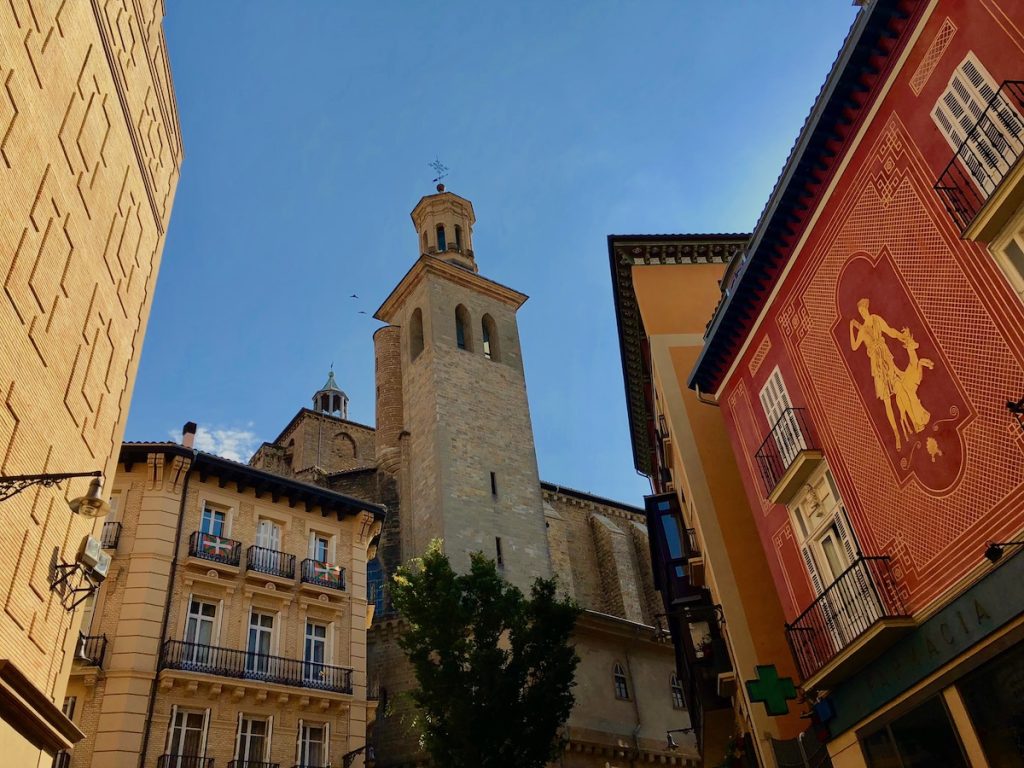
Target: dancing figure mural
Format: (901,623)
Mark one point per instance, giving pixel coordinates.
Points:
(892,384)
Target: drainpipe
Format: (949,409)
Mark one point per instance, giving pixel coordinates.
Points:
(188,437)
(636,711)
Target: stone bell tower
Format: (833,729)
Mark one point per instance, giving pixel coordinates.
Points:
(468,463)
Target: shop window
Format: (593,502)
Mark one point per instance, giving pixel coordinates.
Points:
(994,698)
(923,738)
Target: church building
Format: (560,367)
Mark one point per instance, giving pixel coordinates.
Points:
(452,457)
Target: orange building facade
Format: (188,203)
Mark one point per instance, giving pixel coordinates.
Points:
(867,355)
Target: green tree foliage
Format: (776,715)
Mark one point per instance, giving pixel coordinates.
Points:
(494,668)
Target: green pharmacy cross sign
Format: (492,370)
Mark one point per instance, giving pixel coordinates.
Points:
(773,690)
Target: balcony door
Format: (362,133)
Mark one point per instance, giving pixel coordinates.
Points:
(253,741)
(261,632)
(315,653)
(200,630)
(268,538)
(186,738)
(782,422)
(312,745)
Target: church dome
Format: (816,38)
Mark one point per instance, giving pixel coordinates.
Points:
(330,398)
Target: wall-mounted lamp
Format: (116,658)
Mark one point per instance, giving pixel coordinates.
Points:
(994,551)
(672,742)
(74,582)
(1017,410)
(90,505)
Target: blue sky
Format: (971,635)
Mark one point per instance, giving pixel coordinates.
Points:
(308,128)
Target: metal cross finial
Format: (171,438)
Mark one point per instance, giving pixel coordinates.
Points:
(440,169)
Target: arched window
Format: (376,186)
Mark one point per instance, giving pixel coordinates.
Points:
(415,334)
(677,693)
(441,242)
(621,686)
(489,338)
(458,238)
(463,329)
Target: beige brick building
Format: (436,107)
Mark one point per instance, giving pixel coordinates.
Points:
(452,456)
(232,628)
(90,151)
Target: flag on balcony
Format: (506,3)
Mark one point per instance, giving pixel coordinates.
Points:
(326,571)
(216,546)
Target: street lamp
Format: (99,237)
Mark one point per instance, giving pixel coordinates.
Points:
(90,505)
(994,551)
(672,742)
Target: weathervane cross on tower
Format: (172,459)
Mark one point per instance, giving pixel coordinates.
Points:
(440,169)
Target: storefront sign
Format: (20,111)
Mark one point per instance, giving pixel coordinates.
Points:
(985,607)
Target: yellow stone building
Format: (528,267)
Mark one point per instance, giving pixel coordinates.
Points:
(452,457)
(231,630)
(90,151)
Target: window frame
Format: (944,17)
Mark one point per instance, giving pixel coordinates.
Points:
(620,682)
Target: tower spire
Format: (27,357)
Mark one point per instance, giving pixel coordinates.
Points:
(330,398)
(444,222)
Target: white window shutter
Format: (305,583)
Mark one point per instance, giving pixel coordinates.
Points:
(849,546)
(238,736)
(170,728)
(312,545)
(268,749)
(812,570)
(298,745)
(206,728)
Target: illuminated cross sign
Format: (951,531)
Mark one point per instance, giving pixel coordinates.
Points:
(771,689)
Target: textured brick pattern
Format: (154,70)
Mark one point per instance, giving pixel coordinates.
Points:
(89,157)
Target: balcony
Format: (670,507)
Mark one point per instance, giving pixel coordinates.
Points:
(91,649)
(985,159)
(216,549)
(184,761)
(111,535)
(321,574)
(849,624)
(252,764)
(788,455)
(270,562)
(227,662)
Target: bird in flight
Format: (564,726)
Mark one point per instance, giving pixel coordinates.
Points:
(361,312)
(353,296)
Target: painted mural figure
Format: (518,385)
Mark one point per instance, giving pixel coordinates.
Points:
(891,382)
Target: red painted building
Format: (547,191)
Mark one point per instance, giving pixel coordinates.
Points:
(865,354)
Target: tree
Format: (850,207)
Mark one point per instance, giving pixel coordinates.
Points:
(494,668)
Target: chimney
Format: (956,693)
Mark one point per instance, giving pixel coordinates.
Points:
(188,434)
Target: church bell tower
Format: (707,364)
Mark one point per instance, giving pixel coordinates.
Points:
(452,403)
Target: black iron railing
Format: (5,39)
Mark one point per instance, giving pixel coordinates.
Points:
(91,649)
(215,548)
(790,435)
(111,535)
(986,156)
(252,764)
(270,561)
(863,595)
(62,759)
(184,761)
(323,574)
(228,662)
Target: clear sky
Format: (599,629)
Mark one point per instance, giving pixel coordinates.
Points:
(308,128)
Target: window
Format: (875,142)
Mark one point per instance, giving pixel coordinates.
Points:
(992,698)
(489,337)
(69,707)
(312,745)
(200,629)
(500,558)
(261,632)
(186,737)
(463,338)
(442,244)
(415,334)
(1009,251)
(458,238)
(986,151)
(677,693)
(315,651)
(823,533)
(782,420)
(375,585)
(494,484)
(214,522)
(621,686)
(424,241)
(252,741)
(922,738)
(320,547)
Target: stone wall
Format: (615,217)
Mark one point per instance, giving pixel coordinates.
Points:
(90,151)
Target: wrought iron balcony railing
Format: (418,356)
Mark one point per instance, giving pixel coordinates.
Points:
(263,560)
(184,761)
(216,548)
(863,595)
(111,535)
(252,764)
(986,156)
(790,436)
(323,574)
(91,649)
(228,662)
(62,759)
